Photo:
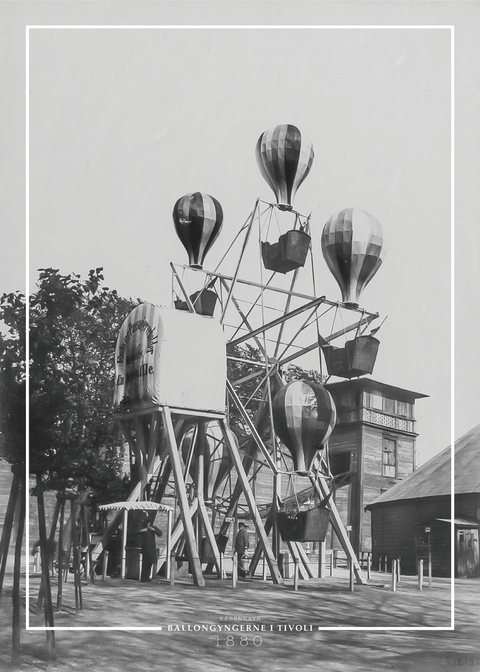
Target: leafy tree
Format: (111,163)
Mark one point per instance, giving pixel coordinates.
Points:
(73,324)
(12,379)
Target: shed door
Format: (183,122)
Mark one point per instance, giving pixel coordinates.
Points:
(467,553)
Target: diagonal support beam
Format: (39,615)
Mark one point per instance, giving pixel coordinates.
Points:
(321,488)
(256,436)
(278,320)
(247,491)
(182,499)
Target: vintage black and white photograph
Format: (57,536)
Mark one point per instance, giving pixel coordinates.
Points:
(239,312)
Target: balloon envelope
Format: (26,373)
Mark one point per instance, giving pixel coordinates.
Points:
(284,159)
(352,245)
(304,416)
(198,219)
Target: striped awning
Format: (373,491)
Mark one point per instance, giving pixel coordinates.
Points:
(134,506)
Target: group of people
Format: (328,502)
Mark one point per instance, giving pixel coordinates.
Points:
(148,535)
(149,532)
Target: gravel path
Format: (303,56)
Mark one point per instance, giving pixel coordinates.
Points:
(256,626)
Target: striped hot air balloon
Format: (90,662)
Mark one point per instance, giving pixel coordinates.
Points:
(304,416)
(198,219)
(218,461)
(284,159)
(352,245)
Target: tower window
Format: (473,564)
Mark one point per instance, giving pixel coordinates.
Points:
(389,458)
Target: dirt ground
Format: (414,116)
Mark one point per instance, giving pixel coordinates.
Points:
(272,628)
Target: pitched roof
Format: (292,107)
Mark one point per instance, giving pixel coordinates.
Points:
(433,478)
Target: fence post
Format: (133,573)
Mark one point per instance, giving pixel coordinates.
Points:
(295,573)
(420,574)
(332,557)
(398,570)
(351,575)
(172,569)
(222,574)
(234,570)
(394,575)
(321,559)
(104,568)
(369,566)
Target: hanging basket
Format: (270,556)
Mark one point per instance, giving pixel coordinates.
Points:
(357,358)
(311,525)
(288,254)
(203,301)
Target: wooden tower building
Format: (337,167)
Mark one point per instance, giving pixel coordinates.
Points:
(372,447)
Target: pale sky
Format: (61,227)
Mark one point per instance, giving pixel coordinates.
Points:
(125,121)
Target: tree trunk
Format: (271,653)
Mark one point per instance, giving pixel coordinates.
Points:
(16,625)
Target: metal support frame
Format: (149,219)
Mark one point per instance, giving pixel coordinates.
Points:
(321,487)
(272,562)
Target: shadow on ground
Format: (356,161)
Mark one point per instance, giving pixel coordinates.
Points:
(277,628)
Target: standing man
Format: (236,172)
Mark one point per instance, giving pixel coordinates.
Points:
(148,534)
(241,544)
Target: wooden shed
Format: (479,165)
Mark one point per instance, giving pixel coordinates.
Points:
(413,520)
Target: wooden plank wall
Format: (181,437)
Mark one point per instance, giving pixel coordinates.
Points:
(395,527)
(364,443)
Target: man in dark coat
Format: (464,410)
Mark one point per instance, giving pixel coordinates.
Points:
(148,534)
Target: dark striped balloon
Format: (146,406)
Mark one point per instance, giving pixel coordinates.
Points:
(198,219)
(304,416)
(284,159)
(352,245)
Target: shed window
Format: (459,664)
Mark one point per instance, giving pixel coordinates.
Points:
(389,457)
(389,405)
(405,409)
(376,401)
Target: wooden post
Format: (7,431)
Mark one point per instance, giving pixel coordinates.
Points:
(8,525)
(394,575)
(76,558)
(168,550)
(182,498)
(202,509)
(16,626)
(398,570)
(222,571)
(322,558)
(264,569)
(88,559)
(351,575)
(105,565)
(332,559)
(242,477)
(430,562)
(234,569)
(49,623)
(321,488)
(60,555)
(172,569)
(124,544)
(295,573)
(369,566)
(420,574)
